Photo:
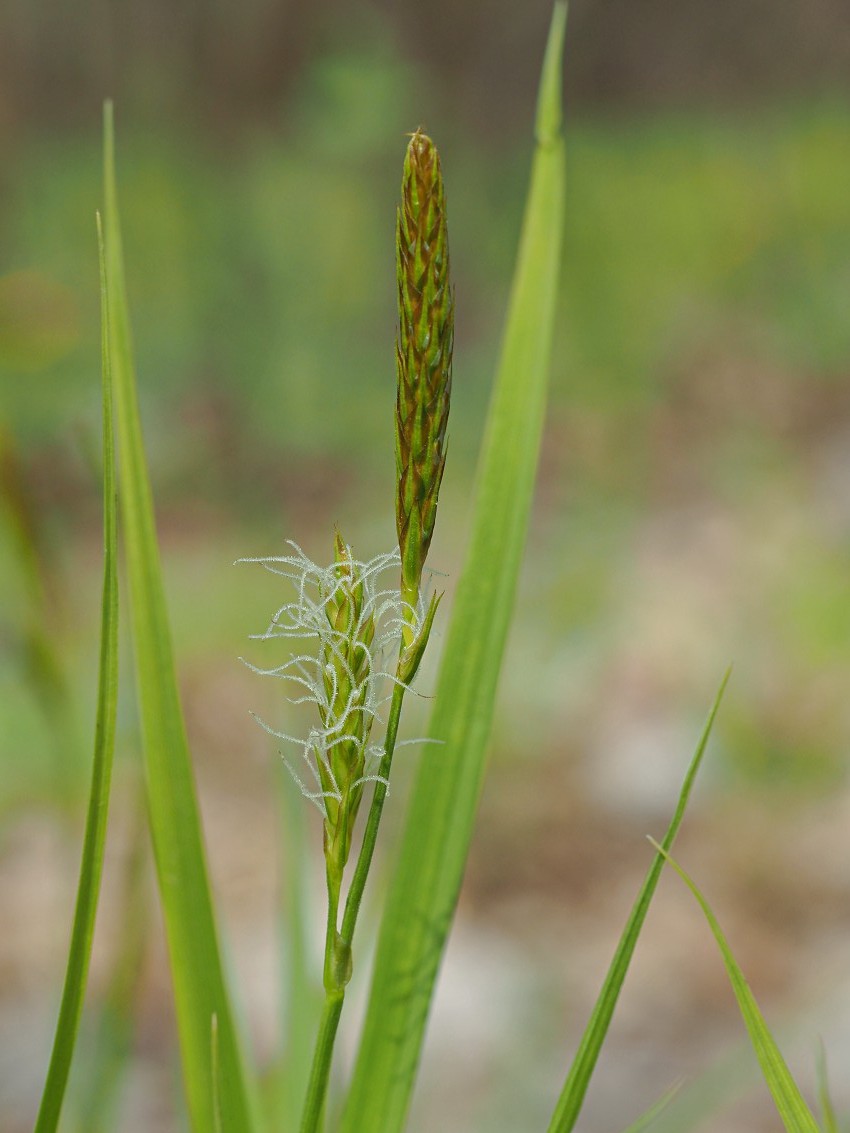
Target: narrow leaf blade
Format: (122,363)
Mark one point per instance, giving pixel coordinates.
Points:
(648,1119)
(424,891)
(91,866)
(199,986)
(578,1079)
(829,1119)
(796,1115)
(287,1079)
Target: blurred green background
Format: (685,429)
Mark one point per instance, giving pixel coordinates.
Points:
(694,497)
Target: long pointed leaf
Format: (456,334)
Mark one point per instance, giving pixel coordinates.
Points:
(424,891)
(575,1087)
(199,987)
(796,1115)
(91,866)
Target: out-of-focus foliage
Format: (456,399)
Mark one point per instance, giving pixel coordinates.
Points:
(692,504)
(701,341)
(231,63)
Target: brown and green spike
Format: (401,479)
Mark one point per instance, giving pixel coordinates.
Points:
(424,358)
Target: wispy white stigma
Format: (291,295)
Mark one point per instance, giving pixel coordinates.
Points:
(305,619)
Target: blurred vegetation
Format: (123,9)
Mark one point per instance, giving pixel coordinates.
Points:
(694,497)
(700,403)
(223,64)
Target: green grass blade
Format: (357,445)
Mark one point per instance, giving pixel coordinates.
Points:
(578,1079)
(648,1119)
(303,984)
(710,1092)
(829,1120)
(424,891)
(91,867)
(198,978)
(796,1115)
(286,1081)
(98,1096)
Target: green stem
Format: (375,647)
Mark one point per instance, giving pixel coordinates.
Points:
(337,965)
(370,835)
(330,967)
(318,1085)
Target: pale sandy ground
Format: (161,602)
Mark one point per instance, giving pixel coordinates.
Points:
(553,871)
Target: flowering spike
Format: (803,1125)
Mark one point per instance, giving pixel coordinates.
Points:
(423,359)
(355,620)
(346,713)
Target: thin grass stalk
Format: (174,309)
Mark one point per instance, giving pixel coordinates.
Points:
(370,834)
(829,1119)
(317,1087)
(647,1120)
(288,1078)
(343,941)
(91,866)
(97,1100)
(575,1087)
(788,1099)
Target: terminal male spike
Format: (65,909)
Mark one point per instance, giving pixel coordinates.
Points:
(424,362)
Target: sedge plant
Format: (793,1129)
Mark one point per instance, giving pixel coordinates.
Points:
(355,619)
(360,628)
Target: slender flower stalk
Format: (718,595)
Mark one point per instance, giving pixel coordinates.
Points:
(424,368)
(354,619)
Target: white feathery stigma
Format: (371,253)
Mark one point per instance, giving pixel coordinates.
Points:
(305,619)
